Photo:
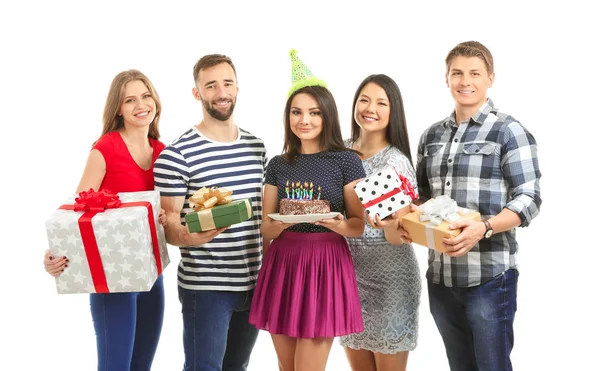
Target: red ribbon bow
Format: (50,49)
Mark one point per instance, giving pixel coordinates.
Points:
(96,201)
(407,187)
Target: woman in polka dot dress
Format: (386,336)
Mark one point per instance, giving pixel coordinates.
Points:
(306,292)
(387,270)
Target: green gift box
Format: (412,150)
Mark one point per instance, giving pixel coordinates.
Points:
(219,216)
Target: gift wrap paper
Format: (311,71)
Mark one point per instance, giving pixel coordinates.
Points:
(381,193)
(424,234)
(219,216)
(124,244)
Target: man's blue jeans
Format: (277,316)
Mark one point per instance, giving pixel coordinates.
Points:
(216,332)
(476,323)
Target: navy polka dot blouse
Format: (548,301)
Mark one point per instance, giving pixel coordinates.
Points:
(330,170)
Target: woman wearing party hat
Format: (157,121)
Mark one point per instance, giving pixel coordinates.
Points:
(306,292)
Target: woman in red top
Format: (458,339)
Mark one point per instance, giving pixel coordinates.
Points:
(127,325)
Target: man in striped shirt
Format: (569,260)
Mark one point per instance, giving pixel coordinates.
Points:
(218,268)
(486,161)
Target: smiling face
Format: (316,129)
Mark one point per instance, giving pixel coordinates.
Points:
(217,89)
(372,109)
(306,120)
(138,108)
(468,81)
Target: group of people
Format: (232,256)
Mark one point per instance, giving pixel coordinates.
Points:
(352,277)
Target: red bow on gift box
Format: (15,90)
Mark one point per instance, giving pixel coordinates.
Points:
(407,187)
(96,201)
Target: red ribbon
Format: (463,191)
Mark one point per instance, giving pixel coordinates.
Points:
(384,196)
(92,203)
(96,201)
(405,186)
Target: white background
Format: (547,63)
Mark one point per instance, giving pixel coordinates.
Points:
(58,59)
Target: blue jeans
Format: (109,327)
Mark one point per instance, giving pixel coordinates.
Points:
(476,323)
(216,332)
(128,326)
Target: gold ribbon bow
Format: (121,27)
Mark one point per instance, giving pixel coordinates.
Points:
(205,198)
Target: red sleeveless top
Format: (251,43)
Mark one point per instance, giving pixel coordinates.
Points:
(123,174)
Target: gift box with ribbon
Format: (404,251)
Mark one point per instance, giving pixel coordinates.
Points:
(429,225)
(215,208)
(114,242)
(385,192)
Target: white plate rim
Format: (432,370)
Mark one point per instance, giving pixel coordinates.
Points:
(305,218)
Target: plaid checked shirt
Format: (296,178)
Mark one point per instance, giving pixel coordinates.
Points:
(486,164)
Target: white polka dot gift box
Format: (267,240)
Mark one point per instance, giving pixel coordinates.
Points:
(114,242)
(385,192)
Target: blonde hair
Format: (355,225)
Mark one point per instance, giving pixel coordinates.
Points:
(111,121)
(471,49)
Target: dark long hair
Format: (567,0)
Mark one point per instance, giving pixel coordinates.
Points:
(331,135)
(396,132)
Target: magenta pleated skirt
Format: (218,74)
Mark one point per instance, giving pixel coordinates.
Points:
(307,287)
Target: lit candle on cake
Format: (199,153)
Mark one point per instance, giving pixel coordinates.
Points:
(319,195)
(310,193)
(287,189)
(298,190)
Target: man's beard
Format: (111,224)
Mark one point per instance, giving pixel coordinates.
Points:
(216,113)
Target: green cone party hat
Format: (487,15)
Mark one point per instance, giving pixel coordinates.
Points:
(301,75)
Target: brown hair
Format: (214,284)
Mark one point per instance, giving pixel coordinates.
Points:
(330,138)
(211,60)
(471,49)
(111,120)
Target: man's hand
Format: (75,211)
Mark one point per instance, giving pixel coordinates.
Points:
(200,238)
(401,233)
(472,232)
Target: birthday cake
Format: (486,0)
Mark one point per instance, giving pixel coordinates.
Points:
(301,207)
(301,199)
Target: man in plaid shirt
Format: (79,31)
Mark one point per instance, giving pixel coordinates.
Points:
(486,161)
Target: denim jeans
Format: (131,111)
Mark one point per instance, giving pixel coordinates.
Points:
(128,326)
(216,332)
(476,323)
